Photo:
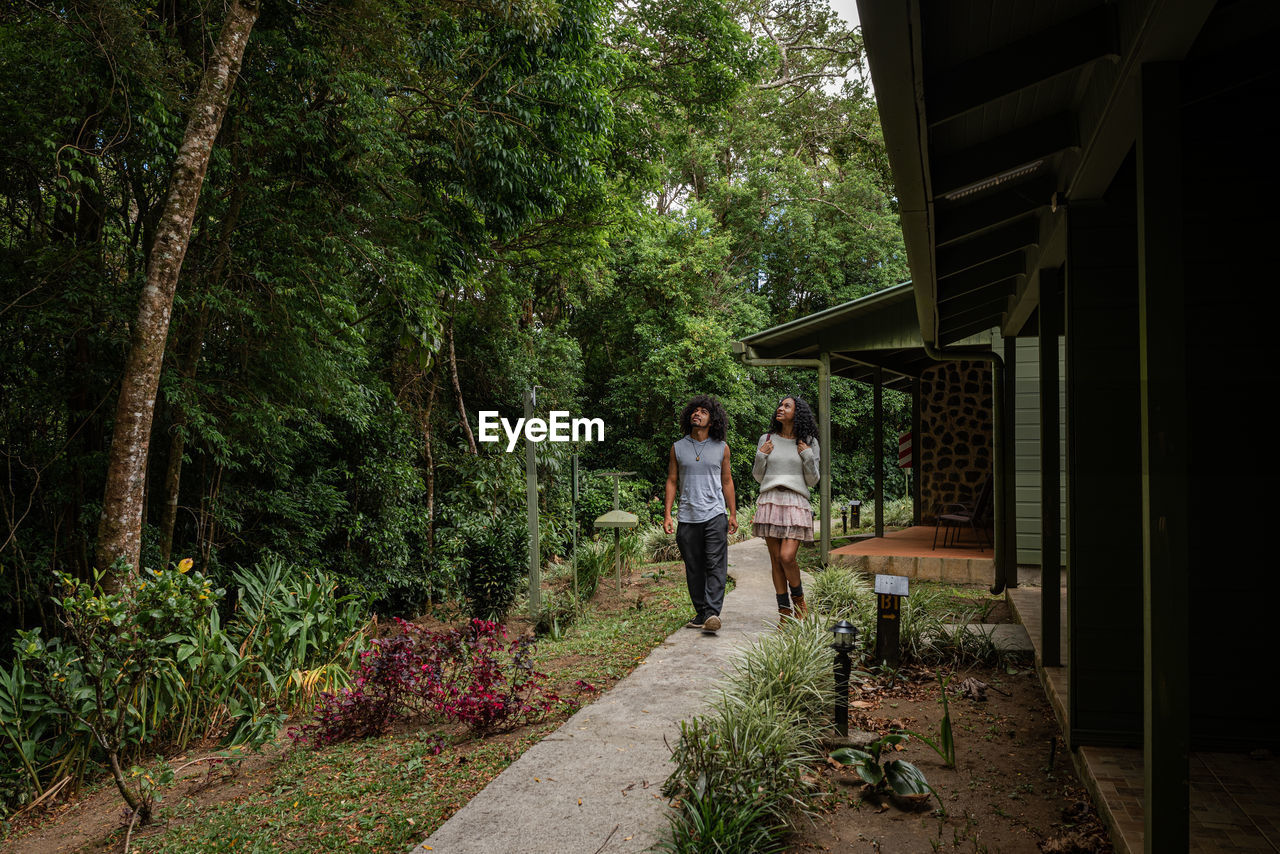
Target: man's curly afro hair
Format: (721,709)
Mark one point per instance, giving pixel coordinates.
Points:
(806,426)
(719,426)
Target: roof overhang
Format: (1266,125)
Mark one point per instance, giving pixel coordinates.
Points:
(997,115)
(877,331)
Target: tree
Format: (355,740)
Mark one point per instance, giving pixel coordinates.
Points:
(120,529)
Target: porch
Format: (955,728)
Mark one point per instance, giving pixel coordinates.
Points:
(1235,797)
(910,552)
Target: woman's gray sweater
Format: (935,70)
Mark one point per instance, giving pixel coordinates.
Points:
(786,467)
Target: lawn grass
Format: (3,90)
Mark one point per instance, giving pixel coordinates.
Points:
(391,792)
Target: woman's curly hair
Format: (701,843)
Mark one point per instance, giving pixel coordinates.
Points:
(719,426)
(806,426)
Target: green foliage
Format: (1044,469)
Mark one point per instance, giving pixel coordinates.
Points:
(594,560)
(840,593)
(898,776)
(497,557)
(121,654)
(788,670)
(657,545)
(717,825)
(150,664)
(935,631)
(482,198)
(753,750)
(945,743)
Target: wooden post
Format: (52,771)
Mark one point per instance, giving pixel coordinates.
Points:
(1007,453)
(1050,311)
(531,500)
(916,447)
(999,403)
(824,461)
(879,455)
(1163,377)
(888,632)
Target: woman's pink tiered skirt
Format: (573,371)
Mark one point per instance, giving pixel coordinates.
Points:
(784,514)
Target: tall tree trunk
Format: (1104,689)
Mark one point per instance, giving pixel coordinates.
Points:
(457,391)
(120,528)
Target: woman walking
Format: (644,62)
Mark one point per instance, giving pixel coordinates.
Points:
(786,466)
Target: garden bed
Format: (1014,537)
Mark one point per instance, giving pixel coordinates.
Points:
(379,794)
(1013,789)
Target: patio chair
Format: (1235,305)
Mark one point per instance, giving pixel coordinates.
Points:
(973,515)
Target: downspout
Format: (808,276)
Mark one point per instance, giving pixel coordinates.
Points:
(823,364)
(997,439)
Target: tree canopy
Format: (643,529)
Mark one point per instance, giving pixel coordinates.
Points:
(411,212)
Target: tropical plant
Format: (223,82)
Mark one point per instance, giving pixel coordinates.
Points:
(945,743)
(933,631)
(117,645)
(475,676)
(905,780)
(657,545)
(151,665)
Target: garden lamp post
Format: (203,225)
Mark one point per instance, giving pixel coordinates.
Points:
(846,636)
(617,518)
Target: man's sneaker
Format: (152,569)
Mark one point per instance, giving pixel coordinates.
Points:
(695,623)
(712,625)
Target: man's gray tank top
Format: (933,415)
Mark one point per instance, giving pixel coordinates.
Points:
(701,496)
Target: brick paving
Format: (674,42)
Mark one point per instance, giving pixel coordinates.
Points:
(1235,798)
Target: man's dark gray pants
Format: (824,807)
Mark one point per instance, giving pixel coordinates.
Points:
(705,549)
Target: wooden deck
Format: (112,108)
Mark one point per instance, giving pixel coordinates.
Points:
(911,553)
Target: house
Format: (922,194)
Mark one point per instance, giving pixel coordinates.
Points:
(1092,180)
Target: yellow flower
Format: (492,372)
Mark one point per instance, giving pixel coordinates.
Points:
(185,564)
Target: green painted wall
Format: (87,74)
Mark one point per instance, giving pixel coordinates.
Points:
(1027,454)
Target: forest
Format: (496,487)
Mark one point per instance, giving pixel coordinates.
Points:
(410,212)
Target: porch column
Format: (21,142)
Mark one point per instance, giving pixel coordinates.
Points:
(824,460)
(879,456)
(1006,456)
(1050,310)
(1163,376)
(916,389)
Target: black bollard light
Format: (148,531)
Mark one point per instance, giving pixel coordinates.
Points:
(846,636)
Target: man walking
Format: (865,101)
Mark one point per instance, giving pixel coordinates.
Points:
(699,468)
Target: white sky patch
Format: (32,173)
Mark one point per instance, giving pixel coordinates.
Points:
(847,10)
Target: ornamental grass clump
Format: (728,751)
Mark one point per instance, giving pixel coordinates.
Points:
(474,675)
(840,593)
(787,671)
(658,546)
(933,631)
(752,753)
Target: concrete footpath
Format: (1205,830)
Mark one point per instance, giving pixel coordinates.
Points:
(594,784)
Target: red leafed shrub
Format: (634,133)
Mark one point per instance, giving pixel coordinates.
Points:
(474,675)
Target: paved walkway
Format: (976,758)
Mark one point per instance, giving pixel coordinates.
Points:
(594,784)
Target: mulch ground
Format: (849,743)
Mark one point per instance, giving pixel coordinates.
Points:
(1013,789)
